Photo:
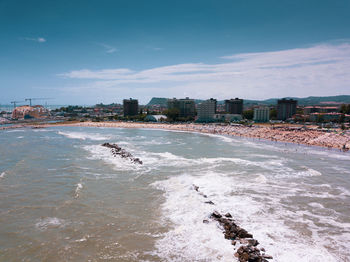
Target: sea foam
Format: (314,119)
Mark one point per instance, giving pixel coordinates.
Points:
(262,215)
(50,222)
(84,136)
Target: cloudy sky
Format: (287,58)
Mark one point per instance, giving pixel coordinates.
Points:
(87,52)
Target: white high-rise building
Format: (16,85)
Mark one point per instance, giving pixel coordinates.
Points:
(206,110)
(261,114)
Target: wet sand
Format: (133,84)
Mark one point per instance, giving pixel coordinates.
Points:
(312,137)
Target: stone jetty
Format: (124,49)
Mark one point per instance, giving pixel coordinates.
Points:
(244,243)
(118,151)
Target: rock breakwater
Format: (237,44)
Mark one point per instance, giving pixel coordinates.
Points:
(243,242)
(118,151)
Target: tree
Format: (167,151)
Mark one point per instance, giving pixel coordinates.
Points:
(299,111)
(273,114)
(172,114)
(343,108)
(320,118)
(248,114)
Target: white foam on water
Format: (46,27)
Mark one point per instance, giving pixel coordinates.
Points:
(308,172)
(344,191)
(20,137)
(224,138)
(154,142)
(98,152)
(83,136)
(169,159)
(2,175)
(50,222)
(189,239)
(78,188)
(341,169)
(42,130)
(261,178)
(15,130)
(316,205)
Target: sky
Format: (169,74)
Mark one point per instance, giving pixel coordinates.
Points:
(88,52)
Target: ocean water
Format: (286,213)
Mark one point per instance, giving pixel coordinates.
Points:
(64,197)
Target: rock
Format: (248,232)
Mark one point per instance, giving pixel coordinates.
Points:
(116,150)
(205,221)
(216,214)
(267,256)
(209,202)
(228,215)
(196,187)
(203,194)
(242,233)
(253,242)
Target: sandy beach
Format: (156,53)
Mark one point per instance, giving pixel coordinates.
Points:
(312,137)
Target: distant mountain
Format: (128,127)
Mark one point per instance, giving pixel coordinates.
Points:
(306,101)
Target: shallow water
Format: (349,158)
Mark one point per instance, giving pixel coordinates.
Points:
(66,198)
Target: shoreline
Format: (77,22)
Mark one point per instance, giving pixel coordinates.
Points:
(282,134)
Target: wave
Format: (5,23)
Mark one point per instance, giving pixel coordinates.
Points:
(98,152)
(84,136)
(78,188)
(259,210)
(2,175)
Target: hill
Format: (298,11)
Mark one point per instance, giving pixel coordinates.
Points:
(306,101)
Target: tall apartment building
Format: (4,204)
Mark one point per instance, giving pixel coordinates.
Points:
(130,107)
(261,114)
(286,108)
(234,106)
(186,106)
(206,110)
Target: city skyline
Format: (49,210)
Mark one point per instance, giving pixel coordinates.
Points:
(87,53)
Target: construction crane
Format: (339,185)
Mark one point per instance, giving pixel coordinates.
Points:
(30,99)
(15,102)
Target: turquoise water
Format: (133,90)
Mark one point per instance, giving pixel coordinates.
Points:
(64,197)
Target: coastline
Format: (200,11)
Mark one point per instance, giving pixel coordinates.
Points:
(283,134)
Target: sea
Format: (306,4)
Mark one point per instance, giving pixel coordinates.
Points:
(64,197)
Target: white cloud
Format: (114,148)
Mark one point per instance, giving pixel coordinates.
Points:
(316,70)
(108,49)
(37,39)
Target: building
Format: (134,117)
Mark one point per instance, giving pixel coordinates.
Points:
(155,118)
(206,110)
(261,114)
(186,106)
(27,112)
(234,106)
(130,107)
(326,117)
(320,109)
(286,108)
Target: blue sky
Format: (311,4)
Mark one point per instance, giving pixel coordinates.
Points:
(87,52)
